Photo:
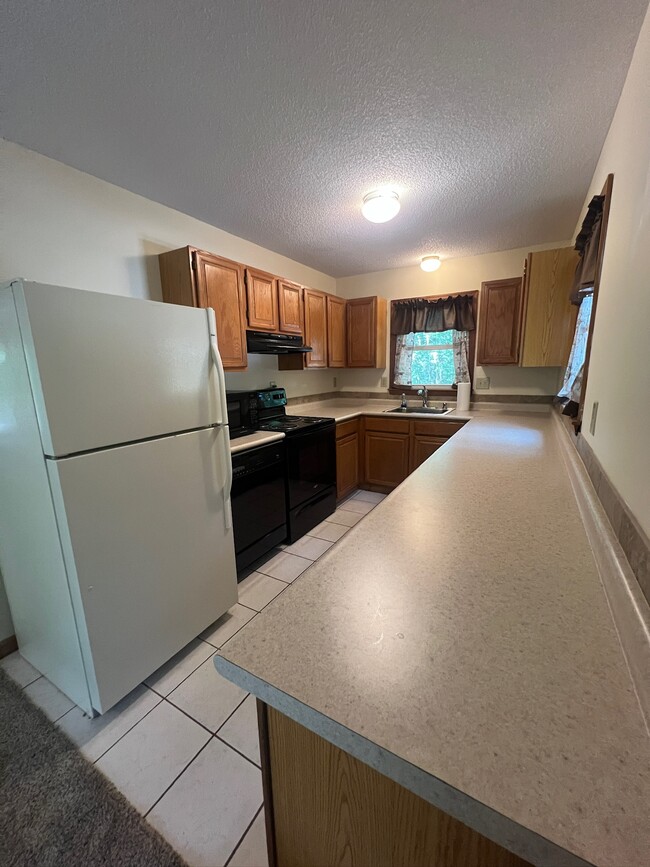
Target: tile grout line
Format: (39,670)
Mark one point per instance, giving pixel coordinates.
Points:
(241,840)
(235,750)
(177,777)
(108,749)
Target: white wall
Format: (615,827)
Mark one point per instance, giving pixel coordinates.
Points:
(455,275)
(65,227)
(619,370)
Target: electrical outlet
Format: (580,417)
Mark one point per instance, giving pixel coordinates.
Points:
(384,382)
(334,381)
(482,382)
(594,415)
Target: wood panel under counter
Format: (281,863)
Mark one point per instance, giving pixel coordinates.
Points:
(325,808)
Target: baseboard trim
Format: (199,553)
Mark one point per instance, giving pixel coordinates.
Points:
(8,645)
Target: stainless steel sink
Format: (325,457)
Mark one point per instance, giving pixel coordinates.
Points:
(425,410)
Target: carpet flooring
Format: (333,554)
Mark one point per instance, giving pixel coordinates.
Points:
(57,809)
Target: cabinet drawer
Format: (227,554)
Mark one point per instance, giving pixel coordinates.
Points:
(345,428)
(436,428)
(387,425)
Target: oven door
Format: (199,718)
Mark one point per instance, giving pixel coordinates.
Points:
(258,502)
(311,463)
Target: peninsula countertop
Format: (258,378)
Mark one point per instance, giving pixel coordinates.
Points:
(459,640)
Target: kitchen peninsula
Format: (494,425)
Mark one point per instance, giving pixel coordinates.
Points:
(446,685)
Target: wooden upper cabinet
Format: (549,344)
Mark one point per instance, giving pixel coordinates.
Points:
(500,321)
(549,317)
(262,300)
(336,331)
(199,279)
(367,334)
(315,303)
(290,307)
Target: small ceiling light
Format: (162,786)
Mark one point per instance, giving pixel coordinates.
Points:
(379,206)
(430,263)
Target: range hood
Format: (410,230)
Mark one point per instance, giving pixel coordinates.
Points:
(264,343)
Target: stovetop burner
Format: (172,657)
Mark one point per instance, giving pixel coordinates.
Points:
(288,423)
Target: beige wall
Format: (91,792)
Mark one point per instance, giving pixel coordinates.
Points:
(455,275)
(65,227)
(619,372)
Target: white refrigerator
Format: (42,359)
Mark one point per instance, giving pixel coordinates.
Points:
(116,543)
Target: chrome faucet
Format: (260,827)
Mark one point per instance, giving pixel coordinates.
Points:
(424,392)
(404,403)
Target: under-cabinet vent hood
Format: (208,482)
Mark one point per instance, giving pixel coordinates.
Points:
(263,343)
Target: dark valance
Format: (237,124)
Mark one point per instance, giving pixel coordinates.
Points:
(587,244)
(433,314)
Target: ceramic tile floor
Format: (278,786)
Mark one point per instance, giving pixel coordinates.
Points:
(183,746)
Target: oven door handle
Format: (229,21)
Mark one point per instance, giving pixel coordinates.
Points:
(313,502)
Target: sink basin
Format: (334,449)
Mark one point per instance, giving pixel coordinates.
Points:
(425,410)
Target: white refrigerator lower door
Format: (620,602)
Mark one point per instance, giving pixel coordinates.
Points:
(150,561)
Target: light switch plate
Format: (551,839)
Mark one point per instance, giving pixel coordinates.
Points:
(384,382)
(482,382)
(334,380)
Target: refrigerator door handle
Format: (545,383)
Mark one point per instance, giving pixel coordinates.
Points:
(222,422)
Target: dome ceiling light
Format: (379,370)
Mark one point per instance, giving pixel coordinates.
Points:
(379,206)
(430,263)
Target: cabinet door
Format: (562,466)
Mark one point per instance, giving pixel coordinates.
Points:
(549,319)
(347,464)
(423,447)
(336,331)
(262,299)
(315,327)
(386,458)
(500,321)
(220,284)
(367,323)
(290,307)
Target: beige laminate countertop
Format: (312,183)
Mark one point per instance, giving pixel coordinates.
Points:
(252,441)
(459,640)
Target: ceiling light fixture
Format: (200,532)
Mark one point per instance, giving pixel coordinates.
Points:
(379,206)
(430,263)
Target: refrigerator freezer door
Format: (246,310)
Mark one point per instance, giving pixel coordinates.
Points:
(144,534)
(106,369)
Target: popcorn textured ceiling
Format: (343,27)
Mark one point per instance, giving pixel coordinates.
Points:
(272,119)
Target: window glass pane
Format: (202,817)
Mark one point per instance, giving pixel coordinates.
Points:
(433,338)
(433,368)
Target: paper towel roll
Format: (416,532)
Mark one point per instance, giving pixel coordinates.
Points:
(462,396)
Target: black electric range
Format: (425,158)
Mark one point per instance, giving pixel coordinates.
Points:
(310,455)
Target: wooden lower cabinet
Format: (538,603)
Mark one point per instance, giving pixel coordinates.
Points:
(347,457)
(386,452)
(326,808)
(422,447)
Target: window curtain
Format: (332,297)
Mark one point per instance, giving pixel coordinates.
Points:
(587,244)
(572,384)
(461,356)
(432,314)
(403,358)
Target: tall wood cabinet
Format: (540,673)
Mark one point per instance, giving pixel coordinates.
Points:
(290,307)
(262,301)
(198,279)
(367,332)
(315,303)
(529,322)
(549,317)
(336,331)
(500,321)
